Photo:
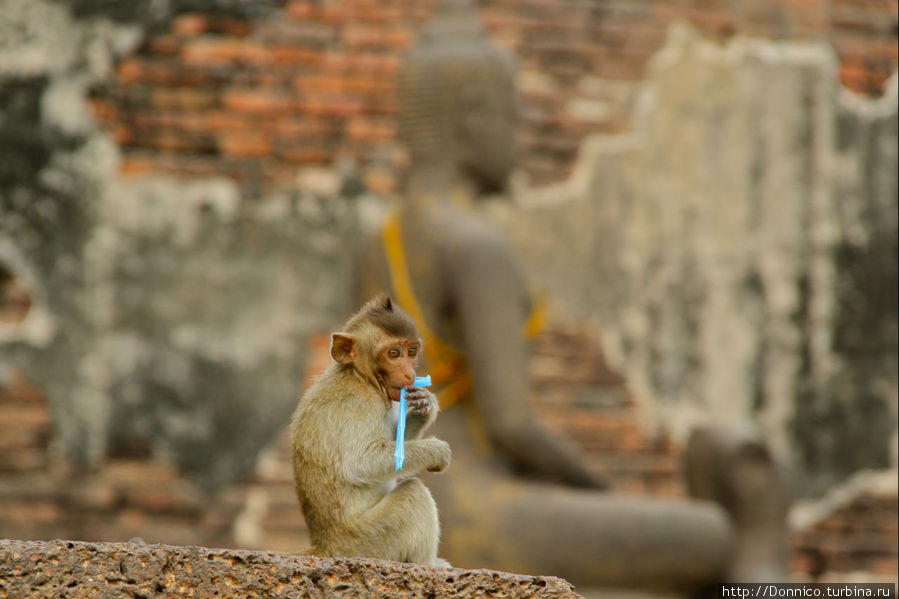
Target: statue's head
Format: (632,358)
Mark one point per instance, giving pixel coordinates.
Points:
(457,98)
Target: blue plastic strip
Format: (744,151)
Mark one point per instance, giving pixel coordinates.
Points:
(399,453)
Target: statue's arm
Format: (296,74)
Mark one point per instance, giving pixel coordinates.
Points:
(492,303)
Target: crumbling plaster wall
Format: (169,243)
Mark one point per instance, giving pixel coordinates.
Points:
(737,250)
(167,316)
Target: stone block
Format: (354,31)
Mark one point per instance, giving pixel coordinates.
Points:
(76,569)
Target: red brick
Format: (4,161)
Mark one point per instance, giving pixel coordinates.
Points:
(190,24)
(369,85)
(129,70)
(854,75)
(209,51)
(300,155)
(21,414)
(365,129)
(177,73)
(295,55)
(245,144)
(718,25)
(136,165)
(165,45)
(175,141)
(358,36)
(366,63)
(317,107)
(256,101)
(224,120)
(876,82)
(183,121)
(803,562)
(332,13)
(663,466)
(23,460)
(319,83)
(15,436)
(206,52)
(19,389)
(295,126)
(230,25)
(381,14)
(104,109)
(183,98)
(300,9)
(667,487)
(864,19)
(381,182)
(890,525)
(883,565)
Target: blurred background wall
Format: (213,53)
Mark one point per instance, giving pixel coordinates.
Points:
(707,199)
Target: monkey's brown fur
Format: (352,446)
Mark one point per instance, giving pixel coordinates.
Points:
(342,435)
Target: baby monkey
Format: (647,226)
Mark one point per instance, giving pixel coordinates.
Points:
(342,435)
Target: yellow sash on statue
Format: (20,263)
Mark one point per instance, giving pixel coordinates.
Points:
(447,365)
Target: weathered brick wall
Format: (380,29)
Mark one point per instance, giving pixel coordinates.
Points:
(257,99)
(128,497)
(313,82)
(575,393)
(853,529)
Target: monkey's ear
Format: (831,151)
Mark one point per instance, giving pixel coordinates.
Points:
(343,348)
(388,303)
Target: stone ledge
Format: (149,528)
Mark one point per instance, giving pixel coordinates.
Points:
(74,569)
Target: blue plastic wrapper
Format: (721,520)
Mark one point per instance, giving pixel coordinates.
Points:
(399,454)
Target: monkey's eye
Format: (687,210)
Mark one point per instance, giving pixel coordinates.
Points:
(413,351)
(394,352)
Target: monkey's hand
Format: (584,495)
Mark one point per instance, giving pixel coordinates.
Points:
(420,401)
(442,456)
(421,411)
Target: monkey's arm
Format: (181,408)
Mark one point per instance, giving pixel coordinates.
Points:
(492,303)
(375,464)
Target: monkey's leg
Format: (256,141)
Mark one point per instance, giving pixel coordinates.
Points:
(403,526)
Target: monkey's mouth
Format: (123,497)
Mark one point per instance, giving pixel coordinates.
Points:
(394,393)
